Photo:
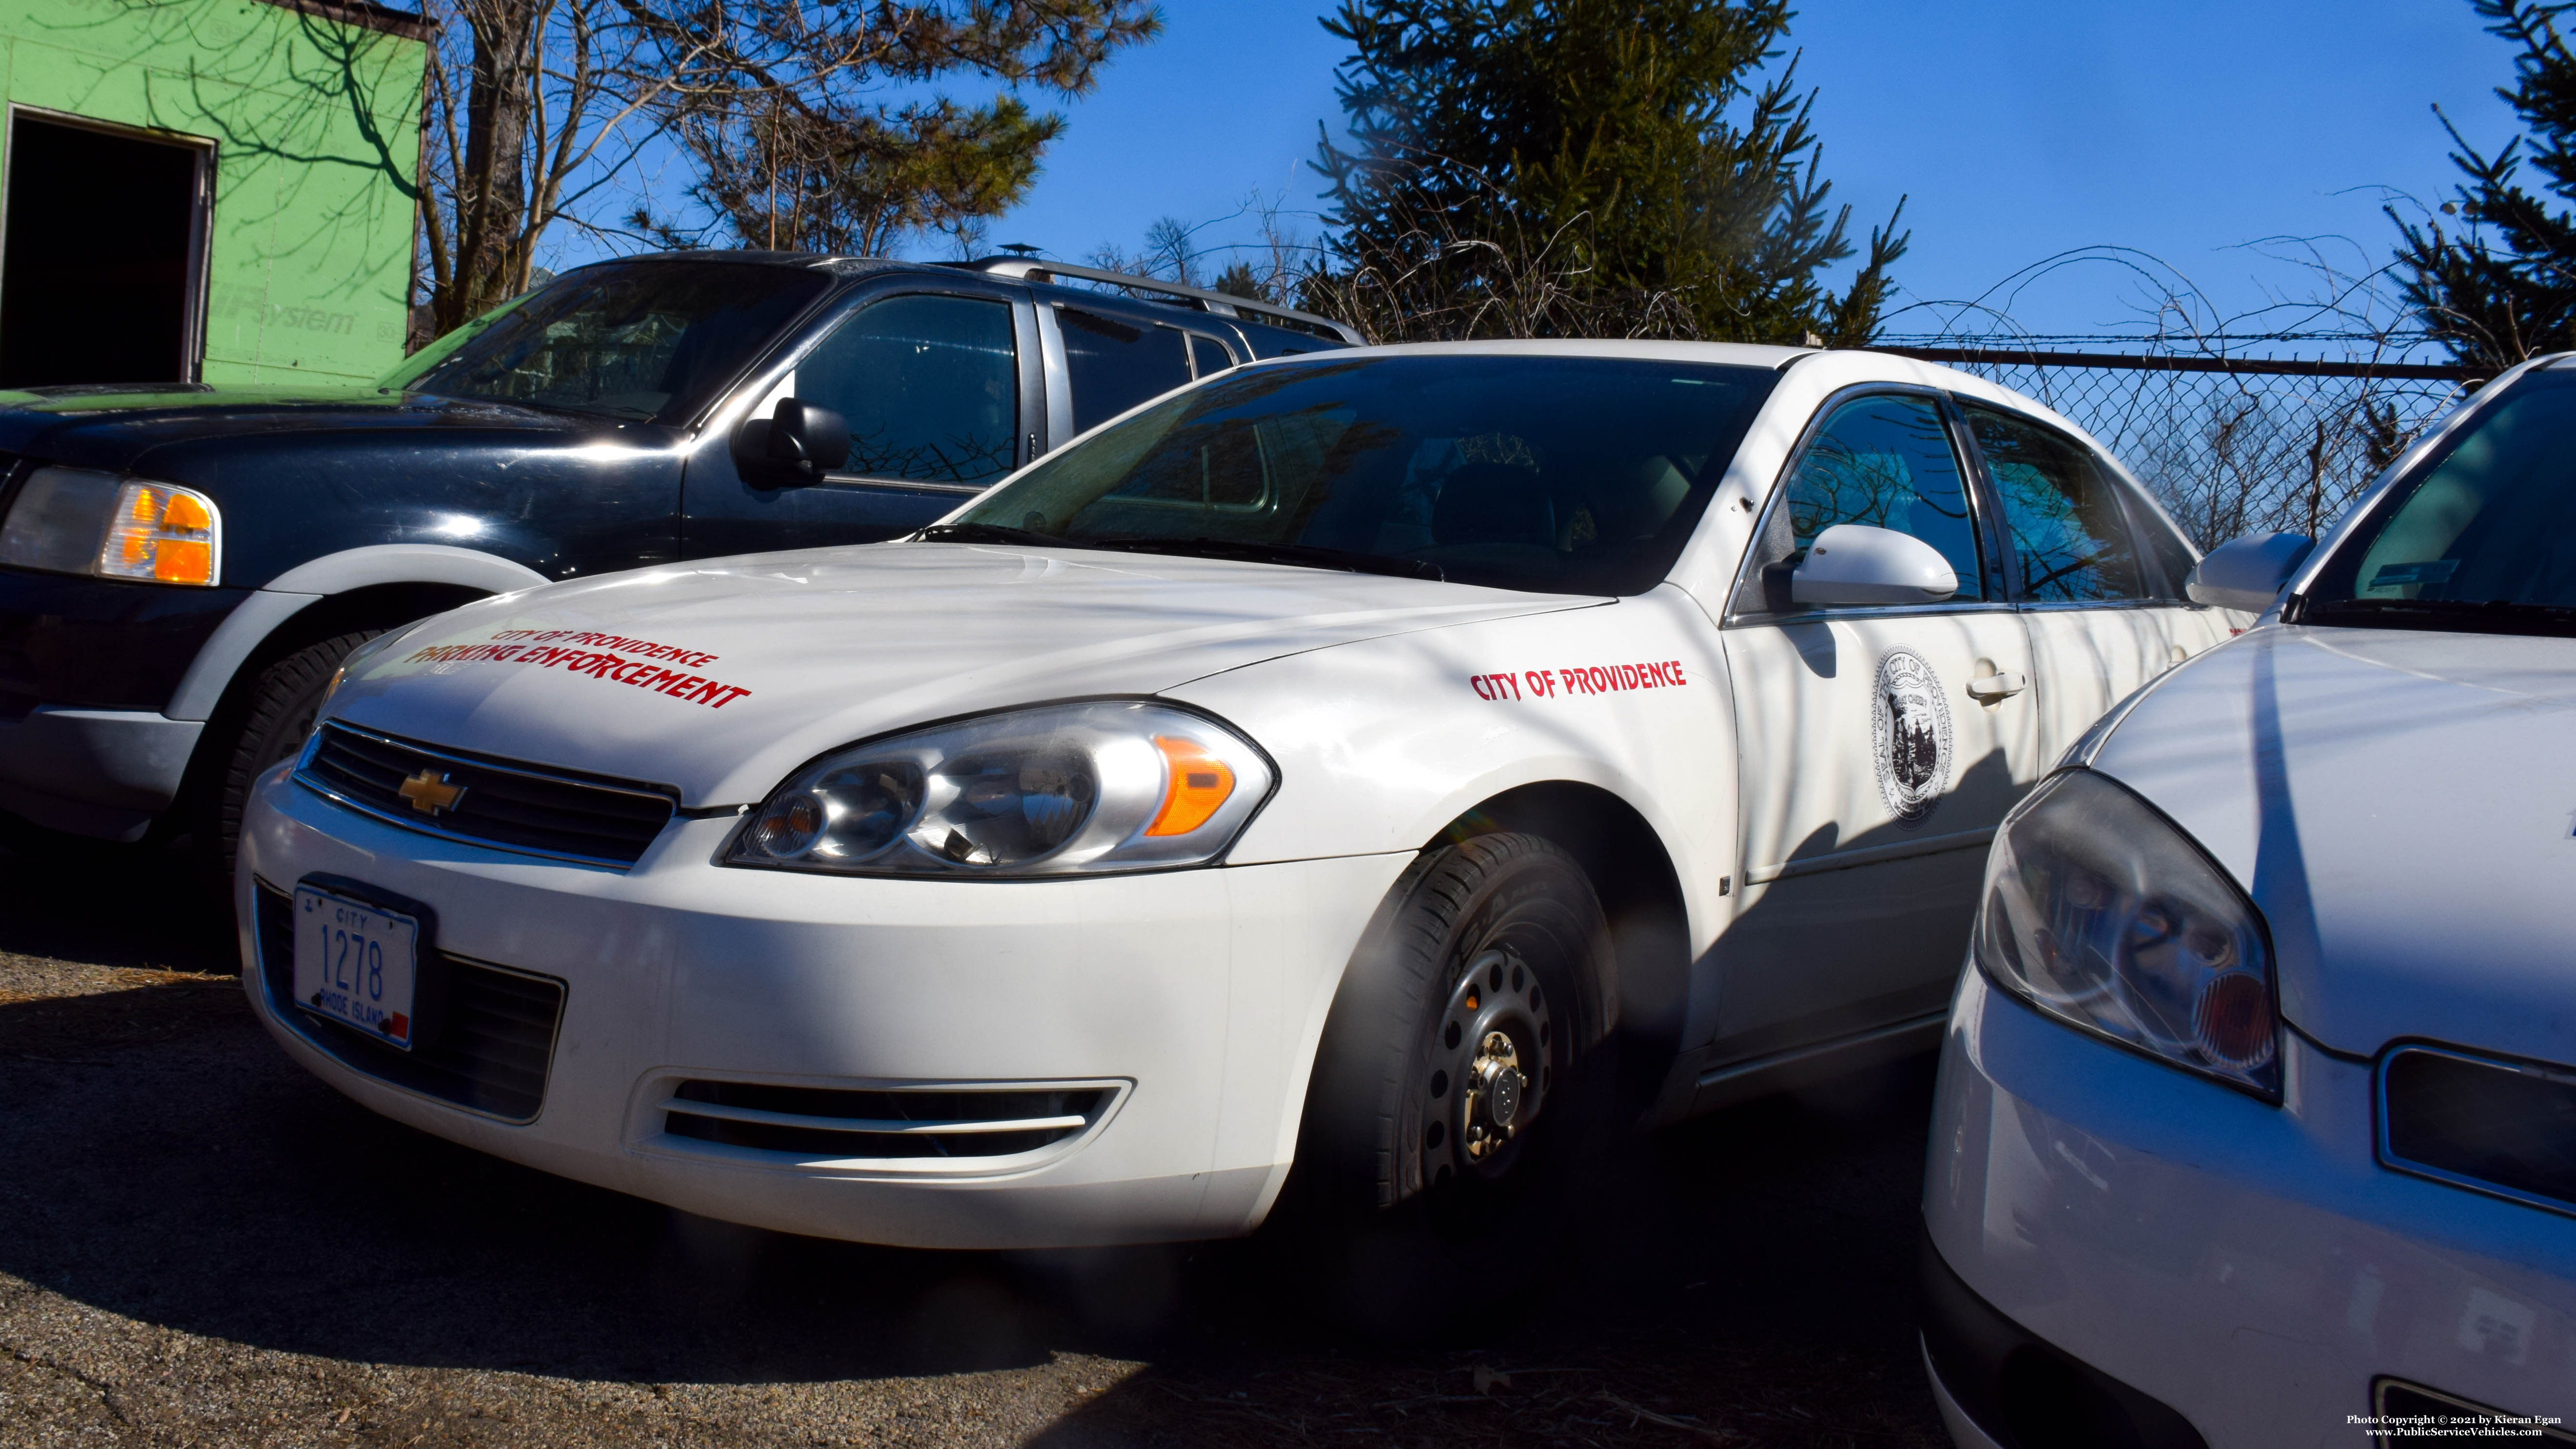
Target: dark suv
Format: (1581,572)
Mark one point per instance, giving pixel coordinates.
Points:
(183,567)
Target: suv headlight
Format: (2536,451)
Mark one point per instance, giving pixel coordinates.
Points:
(1107,786)
(2099,912)
(74,521)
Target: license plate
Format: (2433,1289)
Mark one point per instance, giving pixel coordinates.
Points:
(356,963)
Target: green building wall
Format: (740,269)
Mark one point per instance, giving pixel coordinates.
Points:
(313,117)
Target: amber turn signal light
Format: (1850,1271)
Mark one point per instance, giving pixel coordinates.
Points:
(165,534)
(1195,783)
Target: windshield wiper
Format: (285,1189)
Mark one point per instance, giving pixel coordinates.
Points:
(2475,616)
(1296,555)
(992,533)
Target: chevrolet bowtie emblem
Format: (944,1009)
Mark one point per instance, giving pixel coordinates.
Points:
(429,792)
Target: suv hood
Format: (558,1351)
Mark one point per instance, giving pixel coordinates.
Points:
(2398,803)
(116,426)
(720,677)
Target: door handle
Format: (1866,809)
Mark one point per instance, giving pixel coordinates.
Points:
(2002,684)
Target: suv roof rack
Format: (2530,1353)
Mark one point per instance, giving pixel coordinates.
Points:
(1224,304)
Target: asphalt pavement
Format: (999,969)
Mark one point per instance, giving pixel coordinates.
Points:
(202,1245)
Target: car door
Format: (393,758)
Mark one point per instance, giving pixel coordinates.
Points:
(1871,777)
(938,386)
(2096,630)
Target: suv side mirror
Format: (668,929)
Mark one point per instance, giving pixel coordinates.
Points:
(800,440)
(2247,573)
(1853,563)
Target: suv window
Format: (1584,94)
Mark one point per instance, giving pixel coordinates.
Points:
(1885,461)
(2063,518)
(929,383)
(624,340)
(1113,365)
(1208,357)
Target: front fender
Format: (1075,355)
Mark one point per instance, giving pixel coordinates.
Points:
(308,583)
(1382,743)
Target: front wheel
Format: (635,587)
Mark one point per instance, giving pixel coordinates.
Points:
(266,726)
(1462,1091)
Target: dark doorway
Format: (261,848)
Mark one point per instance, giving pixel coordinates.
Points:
(98,281)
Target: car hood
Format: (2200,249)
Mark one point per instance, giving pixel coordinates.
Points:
(720,677)
(2398,804)
(121,426)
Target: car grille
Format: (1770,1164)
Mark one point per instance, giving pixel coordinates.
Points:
(490,1053)
(540,812)
(812,1122)
(2503,1126)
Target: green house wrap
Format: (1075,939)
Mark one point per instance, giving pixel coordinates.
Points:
(217,191)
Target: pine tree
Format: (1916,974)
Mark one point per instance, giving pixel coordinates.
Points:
(1567,167)
(2502,287)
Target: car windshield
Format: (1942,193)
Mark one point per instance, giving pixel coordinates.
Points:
(2482,537)
(1571,475)
(638,340)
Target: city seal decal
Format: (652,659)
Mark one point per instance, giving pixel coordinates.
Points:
(1910,733)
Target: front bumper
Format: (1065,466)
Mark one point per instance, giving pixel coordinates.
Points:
(1192,999)
(97,772)
(86,666)
(2251,1267)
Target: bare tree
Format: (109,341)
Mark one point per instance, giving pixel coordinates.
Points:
(536,109)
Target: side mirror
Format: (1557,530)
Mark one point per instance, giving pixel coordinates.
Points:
(1853,563)
(2247,573)
(798,441)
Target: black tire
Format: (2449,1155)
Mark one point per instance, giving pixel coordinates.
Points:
(1429,1195)
(266,724)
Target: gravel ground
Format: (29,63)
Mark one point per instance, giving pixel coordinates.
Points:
(201,1245)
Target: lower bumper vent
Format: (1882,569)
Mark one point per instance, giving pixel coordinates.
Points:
(491,1054)
(829,1122)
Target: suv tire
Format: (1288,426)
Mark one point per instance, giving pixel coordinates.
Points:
(266,725)
(1463,1090)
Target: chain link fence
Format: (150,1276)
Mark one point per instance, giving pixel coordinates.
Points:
(2232,445)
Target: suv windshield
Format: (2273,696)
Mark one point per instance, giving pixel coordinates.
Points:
(2482,537)
(638,340)
(1569,475)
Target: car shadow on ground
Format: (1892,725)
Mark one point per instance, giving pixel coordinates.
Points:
(1747,1276)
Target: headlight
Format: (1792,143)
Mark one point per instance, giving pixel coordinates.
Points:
(1114,785)
(73,521)
(2100,913)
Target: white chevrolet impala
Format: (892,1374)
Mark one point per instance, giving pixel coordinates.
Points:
(2257,1116)
(1394,763)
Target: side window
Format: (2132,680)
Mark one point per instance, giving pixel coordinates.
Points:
(1113,365)
(1208,357)
(1884,461)
(2164,559)
(930,385)
(2062,517)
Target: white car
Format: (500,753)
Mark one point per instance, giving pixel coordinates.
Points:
(2257,1113)
(1336,763)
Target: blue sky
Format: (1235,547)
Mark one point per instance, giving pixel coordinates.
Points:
(2184,130)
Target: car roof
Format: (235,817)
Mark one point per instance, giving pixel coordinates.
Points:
(1158,298)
